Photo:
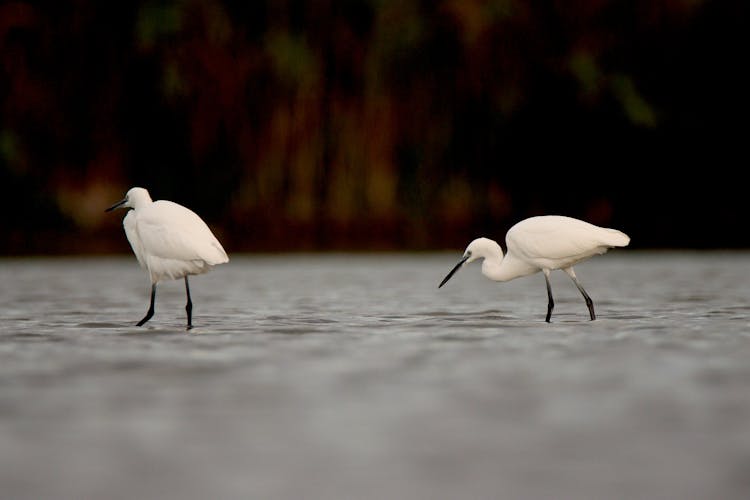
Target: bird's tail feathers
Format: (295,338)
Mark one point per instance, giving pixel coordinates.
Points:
(615,238)
(217,254)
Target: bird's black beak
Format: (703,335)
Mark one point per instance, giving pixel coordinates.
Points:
(119,203)
(454,270)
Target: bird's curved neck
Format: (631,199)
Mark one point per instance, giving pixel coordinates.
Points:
(505,268)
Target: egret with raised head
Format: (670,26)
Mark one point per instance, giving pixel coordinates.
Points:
(170,241)
(542,243)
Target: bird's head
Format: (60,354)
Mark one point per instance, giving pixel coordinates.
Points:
(477,249)
(134,198)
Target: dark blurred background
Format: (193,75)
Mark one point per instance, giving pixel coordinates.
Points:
(374,124)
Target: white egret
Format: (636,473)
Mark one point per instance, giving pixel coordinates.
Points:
(170,241)
(543,243)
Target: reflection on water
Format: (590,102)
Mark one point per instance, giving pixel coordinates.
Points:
(347,376)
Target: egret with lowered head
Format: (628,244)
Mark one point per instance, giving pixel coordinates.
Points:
(170,241)
(542,243)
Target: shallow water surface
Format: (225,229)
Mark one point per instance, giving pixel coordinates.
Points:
(353,376)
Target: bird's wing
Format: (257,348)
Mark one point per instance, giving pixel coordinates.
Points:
(131,231)
(558,241)
(170,231)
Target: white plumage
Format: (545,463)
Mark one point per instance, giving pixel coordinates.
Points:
(543,243)
(169,240)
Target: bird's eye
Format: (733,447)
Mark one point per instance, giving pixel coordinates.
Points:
(468,253)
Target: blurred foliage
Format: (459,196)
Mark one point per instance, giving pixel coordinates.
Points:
(372,124)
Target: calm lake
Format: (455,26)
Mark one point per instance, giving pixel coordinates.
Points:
(352,376)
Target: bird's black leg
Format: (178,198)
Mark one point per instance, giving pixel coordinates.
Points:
(589,302)
(150,312)
(189,305)
(551,302)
